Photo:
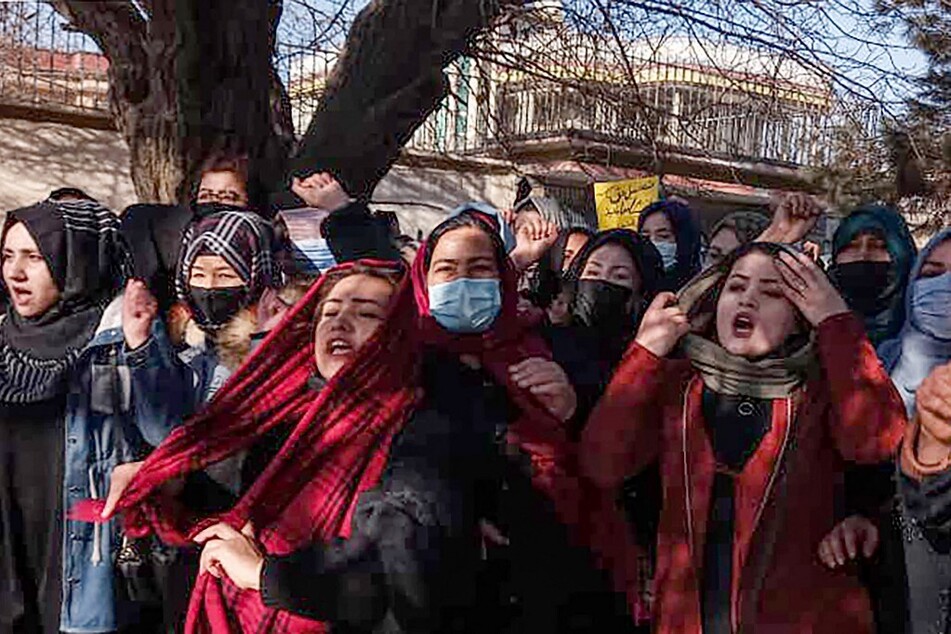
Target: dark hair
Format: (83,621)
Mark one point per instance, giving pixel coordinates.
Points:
(69,192)
(472,219)
(226,162)
(393,276)
(707,303)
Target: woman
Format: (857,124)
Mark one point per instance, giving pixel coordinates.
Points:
(924,342)
(872,255)
(548,283)
(355,415)
(777,390)
(917,565)
(732,232)
(673,230)
(924,509)
(612,279)
(227,283)
(74,359)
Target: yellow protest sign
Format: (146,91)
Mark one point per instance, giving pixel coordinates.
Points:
(619,203)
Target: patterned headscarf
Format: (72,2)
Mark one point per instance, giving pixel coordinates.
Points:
(89,264)
(246,242)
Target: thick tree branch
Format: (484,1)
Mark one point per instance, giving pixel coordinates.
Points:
(388,80)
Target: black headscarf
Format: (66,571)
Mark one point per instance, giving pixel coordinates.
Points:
(648,262)
(688,236)
(90,264)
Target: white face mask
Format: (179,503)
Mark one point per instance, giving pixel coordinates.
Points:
(668,253)
(931,305)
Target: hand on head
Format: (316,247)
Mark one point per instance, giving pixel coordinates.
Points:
(809,289)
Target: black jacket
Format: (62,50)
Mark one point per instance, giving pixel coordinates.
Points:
(411,562)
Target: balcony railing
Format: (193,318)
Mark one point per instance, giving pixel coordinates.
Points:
(44,65)
(487,112)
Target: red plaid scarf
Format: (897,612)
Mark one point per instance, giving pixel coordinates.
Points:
(339,444)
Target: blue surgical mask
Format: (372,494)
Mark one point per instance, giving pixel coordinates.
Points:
(465,305)
(931,305)
(313,255)
(668,253)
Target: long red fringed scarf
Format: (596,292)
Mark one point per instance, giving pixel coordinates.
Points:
(339,444)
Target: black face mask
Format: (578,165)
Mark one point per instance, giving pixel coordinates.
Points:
(219,305)
(603,305)
(863,285)
(201,210)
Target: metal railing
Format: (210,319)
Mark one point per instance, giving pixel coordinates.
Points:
(44,65)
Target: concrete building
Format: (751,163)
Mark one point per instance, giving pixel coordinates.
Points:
(725,127)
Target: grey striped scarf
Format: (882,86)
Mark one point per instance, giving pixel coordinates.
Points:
(89,263)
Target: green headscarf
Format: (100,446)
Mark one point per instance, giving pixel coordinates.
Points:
(887,223)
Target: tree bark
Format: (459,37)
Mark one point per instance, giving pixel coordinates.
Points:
(142,93)
(387,82)
(191,76)
(226,87)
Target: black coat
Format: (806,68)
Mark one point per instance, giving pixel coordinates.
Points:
(411,562)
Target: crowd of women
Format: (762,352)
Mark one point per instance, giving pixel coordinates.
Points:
(223,419)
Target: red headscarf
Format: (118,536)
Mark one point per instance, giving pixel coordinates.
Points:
(339,442)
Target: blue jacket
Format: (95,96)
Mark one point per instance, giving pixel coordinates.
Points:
(108,422)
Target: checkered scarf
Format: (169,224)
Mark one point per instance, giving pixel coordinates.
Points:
(246,242)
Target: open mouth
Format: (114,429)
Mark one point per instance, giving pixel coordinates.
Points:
(20,295)
(743,326)
(339,348)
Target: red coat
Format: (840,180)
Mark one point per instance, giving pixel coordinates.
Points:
(784,496)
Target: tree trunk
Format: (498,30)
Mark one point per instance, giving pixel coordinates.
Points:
(226,82)
(191,76)
(187,78)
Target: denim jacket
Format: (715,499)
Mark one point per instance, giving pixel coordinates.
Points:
(109,421)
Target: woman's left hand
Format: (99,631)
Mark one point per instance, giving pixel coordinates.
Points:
(234,553)
(809,289)
(549,383)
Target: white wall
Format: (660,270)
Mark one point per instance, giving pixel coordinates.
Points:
(422,197)
(38,157)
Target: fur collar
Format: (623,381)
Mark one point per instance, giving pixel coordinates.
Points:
(232,342)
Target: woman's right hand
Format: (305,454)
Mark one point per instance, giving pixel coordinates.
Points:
(844,542)
(663,325)
(121,477)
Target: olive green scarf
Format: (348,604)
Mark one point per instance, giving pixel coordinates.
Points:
(768,378)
